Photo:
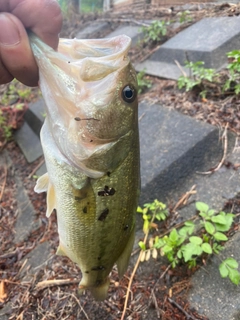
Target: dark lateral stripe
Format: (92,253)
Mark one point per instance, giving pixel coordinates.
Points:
(103,215)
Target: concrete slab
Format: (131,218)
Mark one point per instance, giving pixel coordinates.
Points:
(41,170)
(213,296)
(92,30)
(35,115)
(29,143)
(207,40)
(173,148)
(26,219)
(133,32)
(36,259)
(161,69)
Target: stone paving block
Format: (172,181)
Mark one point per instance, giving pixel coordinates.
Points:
(213,296)
(92,30)
(173,147)
(161,69)
(35,115)
(207,40)
(133,32)
(26,219)
(36,259)
(29,143)
(41,170)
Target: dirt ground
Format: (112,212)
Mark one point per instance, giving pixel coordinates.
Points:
(160,293)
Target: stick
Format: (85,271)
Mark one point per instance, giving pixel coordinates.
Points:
(181,309)
(51,283)
(185,197)
(180,68)
(5,180)
(224,137)
(133,274)
(36,168)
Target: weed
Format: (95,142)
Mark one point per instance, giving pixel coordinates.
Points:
(234,72)
(155,31)
(198,75)
(143,82)
(192,241)
(184,16)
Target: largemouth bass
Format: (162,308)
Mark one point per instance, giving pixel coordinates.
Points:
(91,148)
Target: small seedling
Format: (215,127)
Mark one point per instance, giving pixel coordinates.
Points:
(184,16)
(155,31)
(191,242)
(234,72)
(143,82)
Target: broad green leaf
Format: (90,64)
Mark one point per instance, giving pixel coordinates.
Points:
(219,219)
(139,209)
(173,236)
(179,254)
(167,248)
(211,212)
(189,250)
(220,236)
(223,270)
(195,240)
(223,227)
(201,206)
(142,245)
(232,263)
(209,227)
(207,248)
(234,276)
(189,224)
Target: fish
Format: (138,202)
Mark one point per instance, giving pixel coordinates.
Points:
(90,142)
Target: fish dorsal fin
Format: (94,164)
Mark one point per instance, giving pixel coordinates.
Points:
(51,200)
(42,184)
(123,260)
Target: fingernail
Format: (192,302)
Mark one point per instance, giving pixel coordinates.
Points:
(9,34)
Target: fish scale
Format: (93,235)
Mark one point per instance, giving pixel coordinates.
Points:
(91,148)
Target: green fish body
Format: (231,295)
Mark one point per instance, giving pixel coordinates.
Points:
(91,148)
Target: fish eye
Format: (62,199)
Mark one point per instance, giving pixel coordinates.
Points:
(128,94)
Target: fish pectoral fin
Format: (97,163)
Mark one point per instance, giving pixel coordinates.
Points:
(51,200)
(98,292)
(42,184)
(61,251)
(123,260)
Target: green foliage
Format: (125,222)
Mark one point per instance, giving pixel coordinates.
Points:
(143,82)
(184,16)
(198,75)
(234,72)
(14,94)
(155,31)
(192,241)
(6,130)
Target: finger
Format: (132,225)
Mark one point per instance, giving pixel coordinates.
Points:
(44,18)
(15,51)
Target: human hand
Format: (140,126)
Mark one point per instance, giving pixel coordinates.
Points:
(44,18)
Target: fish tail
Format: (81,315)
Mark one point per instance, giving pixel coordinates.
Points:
(99,292)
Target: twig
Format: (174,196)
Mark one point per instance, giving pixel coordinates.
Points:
(36,168)
(225,139)
(5,180)
(181,309)
(149,53)
(180,68)
(133,273)
(185,197)
(51,283)
(78,302)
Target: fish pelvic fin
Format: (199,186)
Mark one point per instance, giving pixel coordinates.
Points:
(123,260)
(42,184)
(51,200)
(61,251)
(99,292)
